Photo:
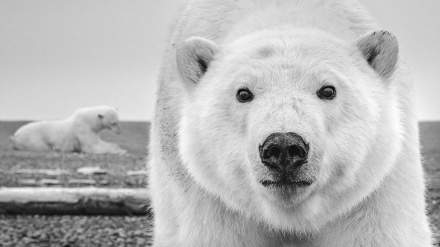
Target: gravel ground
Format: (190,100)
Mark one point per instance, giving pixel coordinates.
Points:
(69,231)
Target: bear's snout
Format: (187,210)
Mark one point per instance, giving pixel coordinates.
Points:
(283,152)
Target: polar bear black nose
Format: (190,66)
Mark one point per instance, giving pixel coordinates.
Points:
(284,151)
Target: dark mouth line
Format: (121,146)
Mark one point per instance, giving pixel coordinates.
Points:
(300,163)
(299,183)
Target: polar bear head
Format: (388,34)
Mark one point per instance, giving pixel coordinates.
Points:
(99,118)
(292,128)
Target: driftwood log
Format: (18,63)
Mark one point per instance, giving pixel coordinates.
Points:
(74,201)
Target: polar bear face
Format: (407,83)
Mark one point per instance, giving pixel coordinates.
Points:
(283,125)
(109,120)
(99,118)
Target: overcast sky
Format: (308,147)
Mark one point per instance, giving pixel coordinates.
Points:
(59,55)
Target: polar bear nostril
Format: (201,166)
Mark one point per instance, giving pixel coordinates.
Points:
(281,151)
(273,152)
(297,150)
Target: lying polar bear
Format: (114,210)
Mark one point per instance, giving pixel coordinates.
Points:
(78,133)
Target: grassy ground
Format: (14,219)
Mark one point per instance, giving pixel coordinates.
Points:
(134,139)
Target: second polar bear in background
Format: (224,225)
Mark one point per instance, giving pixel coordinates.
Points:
(285,123)
(78,133)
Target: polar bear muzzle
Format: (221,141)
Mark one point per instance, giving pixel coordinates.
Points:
(284,154)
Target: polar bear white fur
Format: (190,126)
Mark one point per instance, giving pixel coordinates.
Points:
(77,133)
(238,71)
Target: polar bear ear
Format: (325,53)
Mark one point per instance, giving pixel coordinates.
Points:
(380,49)
(193,58)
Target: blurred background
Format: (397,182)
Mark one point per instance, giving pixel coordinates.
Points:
(57,56)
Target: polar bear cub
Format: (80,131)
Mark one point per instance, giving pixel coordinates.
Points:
(285,123)
(77,133)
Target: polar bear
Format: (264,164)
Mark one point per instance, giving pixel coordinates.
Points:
(285,123)
(77,133)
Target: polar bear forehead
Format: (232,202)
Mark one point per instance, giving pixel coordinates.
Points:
(260,45)
(301,51)
(287,56)
(110,114)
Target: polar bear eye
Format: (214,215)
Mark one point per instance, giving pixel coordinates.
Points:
(327,93)
(244,95)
